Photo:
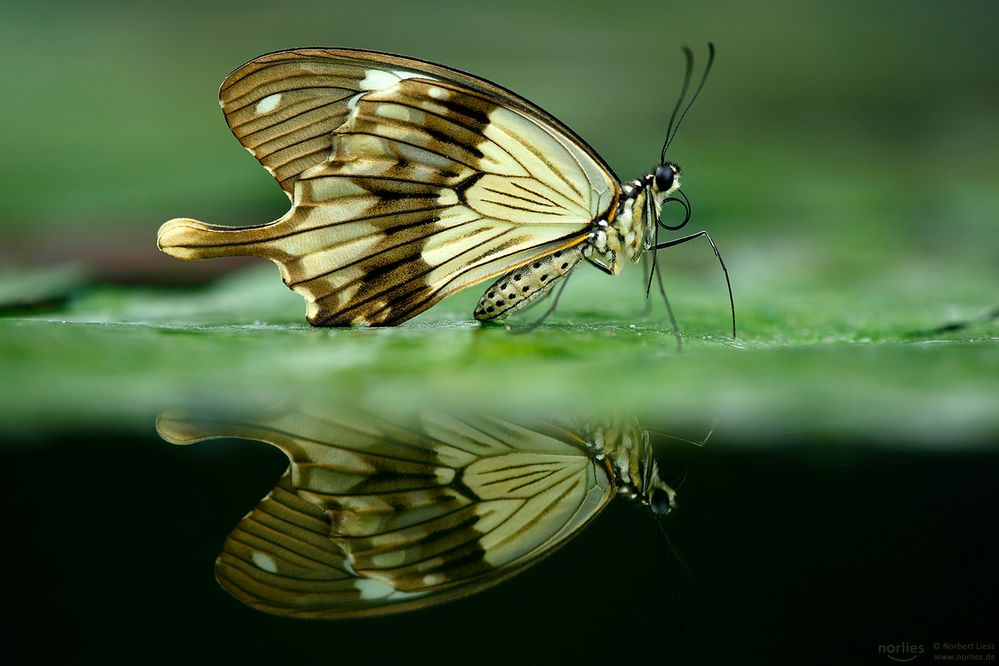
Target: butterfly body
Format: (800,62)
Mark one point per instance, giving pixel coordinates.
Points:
(410,181)
(627,235)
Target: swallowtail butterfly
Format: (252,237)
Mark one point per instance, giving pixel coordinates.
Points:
(375,517)
(410,181)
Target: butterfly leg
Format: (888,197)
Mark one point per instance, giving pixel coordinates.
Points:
(525,285)
(602,266)
(646,270)
(711,242)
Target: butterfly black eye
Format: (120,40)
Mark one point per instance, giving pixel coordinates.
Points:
(664,177)
(659,502)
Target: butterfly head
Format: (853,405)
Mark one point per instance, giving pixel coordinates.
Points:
(652,491)
(632,457)
(662,183)
(656,494)
(661,499)
(665,179)
(662,186)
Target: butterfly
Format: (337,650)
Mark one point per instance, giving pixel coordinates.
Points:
(374,516)
(410,181)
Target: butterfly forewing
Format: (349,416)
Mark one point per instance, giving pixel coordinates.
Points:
(290,102)
(410,181)
(285,113)
(373,517)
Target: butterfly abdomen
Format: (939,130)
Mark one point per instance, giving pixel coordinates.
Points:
(527,284)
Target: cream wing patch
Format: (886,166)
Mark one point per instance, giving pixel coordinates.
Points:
(409,182)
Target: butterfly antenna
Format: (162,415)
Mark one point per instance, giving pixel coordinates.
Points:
(676,554)
(679,100)
(670,552)
(683,477)
(674,591)
(700,86)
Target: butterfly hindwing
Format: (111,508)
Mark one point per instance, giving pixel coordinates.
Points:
(374,517)
(409,182)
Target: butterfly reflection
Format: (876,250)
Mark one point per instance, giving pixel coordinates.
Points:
(375,516)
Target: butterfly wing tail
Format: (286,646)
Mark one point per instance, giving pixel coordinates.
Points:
(181,428)
(184,238)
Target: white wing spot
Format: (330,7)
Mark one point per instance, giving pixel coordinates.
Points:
(396,596)
(394,112)
(433,579)
(376,79)
(437,93)
(265,562)
(371,588)
(268,103)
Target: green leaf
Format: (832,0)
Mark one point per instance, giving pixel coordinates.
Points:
(861,358)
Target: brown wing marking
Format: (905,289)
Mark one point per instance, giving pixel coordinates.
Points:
(431,188)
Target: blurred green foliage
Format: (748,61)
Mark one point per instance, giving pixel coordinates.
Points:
(843,155)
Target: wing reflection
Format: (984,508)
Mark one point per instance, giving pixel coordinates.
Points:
(375,516)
